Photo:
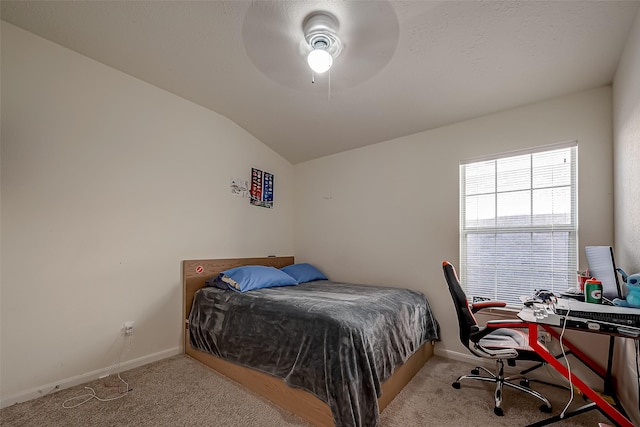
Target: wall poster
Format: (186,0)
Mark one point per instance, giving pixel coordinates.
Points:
(240,187)
(261,188)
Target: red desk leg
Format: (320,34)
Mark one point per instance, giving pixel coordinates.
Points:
(588,391)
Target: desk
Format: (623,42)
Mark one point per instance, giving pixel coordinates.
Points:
(610,411)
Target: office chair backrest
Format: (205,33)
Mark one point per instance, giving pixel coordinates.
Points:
(466,320)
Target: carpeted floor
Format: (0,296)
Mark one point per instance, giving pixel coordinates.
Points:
(180,391)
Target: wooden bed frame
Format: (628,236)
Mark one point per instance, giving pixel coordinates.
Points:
(297,401)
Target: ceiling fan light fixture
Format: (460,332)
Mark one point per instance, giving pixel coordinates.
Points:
(319,60)
(320,34)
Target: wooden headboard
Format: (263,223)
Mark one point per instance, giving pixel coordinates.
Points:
(196,272)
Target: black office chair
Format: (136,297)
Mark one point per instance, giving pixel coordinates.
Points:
(498,340)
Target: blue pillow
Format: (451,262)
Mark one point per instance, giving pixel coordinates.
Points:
(250,277)
(304,272)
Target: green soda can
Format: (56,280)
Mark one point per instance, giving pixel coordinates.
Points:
(593,291)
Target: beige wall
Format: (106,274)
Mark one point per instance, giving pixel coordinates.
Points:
(388,213)
(107,184)
(626,149)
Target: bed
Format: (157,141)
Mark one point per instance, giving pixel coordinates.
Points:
(347,384)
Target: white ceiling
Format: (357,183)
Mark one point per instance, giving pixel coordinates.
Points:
(406,66)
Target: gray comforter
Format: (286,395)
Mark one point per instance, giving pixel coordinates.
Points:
(338,341)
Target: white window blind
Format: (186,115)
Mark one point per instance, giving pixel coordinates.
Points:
(518,223)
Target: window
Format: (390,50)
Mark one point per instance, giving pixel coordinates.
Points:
(518,223)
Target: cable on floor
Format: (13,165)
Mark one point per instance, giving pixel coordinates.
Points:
(566,359)
(122,392)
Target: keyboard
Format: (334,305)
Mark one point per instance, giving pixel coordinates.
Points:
(606,318)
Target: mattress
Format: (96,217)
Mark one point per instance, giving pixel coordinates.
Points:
(337,341)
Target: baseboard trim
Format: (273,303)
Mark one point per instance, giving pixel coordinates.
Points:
(86,377)
(460,357)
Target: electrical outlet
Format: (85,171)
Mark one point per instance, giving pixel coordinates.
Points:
(127,327)
(544,337)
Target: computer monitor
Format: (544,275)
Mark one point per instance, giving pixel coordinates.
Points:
(602,266)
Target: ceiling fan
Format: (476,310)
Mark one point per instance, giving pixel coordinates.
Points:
(353,40)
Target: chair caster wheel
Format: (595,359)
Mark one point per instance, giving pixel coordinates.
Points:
(456,385)
(546,409)
(475,371)
(525,383)
(498,412)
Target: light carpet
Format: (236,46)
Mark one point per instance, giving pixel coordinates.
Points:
(180,391)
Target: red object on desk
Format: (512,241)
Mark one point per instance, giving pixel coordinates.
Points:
(581,281)
(605,406)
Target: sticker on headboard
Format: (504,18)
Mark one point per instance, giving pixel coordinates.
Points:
(261,188)
(199,269)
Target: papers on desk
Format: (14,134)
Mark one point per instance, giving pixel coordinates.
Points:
(540,313)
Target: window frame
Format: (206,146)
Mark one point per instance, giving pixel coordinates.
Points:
(571,228)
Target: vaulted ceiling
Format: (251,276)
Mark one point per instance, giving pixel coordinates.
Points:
(406,66)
